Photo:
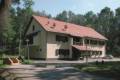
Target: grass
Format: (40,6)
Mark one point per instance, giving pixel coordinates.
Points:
(2,65)
(108,69)
(27,62)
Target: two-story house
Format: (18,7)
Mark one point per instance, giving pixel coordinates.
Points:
(60,40)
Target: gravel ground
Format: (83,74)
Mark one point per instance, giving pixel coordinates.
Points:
(32,72)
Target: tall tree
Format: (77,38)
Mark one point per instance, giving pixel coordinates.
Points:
(104,21)
(4,15)
(20,17)
(42,13)
(90,19)
(71,17)
(62,16)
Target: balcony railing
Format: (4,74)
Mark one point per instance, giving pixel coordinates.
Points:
(90,44)
(77,43)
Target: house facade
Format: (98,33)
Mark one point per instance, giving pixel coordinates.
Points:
(60,40)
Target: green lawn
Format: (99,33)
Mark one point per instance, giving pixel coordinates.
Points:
(1,64)
(108,69)
(27,61)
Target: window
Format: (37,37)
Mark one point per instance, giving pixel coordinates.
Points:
(62,52)
(86,41)
(61,38)
(33,28)
(101,42)
(93,42)
(77,41)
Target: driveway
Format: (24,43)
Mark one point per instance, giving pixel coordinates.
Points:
(73,62)
(32,72)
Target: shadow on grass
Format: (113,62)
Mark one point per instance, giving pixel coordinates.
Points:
(66,74)
(108,69)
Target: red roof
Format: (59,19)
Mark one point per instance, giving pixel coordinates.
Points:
(52,25)
(82,48)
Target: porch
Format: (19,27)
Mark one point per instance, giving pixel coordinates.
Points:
(80,52)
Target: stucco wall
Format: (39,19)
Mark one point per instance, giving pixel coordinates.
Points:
(38,40)
(52,45)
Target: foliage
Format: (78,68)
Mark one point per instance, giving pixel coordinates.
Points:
(2,65)
(27,62)
(4,18)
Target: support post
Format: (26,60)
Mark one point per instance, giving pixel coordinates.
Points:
(27,40)
(20,41)
(71,43)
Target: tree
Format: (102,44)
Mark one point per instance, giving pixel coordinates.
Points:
(104,21)
(42,13)
(4,6)
(71,17)
(4,19)
(62,16)
(90,19)
(20,17)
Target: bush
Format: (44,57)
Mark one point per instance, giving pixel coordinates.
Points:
(32,51)
(27,62)
(90,69)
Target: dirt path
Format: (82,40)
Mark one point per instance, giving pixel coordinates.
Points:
(31,72)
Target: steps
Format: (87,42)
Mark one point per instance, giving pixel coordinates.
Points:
(11,61)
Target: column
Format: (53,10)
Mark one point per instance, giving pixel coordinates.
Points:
(89,42)
(83,41)
(70,47)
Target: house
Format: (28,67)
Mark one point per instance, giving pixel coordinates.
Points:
(53,39)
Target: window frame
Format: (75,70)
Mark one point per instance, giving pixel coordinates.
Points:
(60,38)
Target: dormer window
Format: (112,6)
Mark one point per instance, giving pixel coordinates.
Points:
(54,24)
(65,26)
(33,28)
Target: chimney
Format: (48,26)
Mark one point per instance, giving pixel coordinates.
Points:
(47,23)
(65,26)
(53,26)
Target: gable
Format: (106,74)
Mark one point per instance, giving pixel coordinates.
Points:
(33,27)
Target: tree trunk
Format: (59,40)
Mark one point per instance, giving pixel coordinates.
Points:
(4,7)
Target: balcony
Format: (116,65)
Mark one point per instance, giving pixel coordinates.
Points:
(77,43)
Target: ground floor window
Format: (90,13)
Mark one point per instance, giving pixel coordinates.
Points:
(91,53)
(62,53)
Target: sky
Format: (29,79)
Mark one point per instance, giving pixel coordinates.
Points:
(55,7)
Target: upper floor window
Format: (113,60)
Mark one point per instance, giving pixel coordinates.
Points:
(94,42)
(101,43)
(86,41)
(33,28)
(61,38)
(77,40)
(62,52)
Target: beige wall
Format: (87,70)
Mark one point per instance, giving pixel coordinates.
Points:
(38,40)
(52,45)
